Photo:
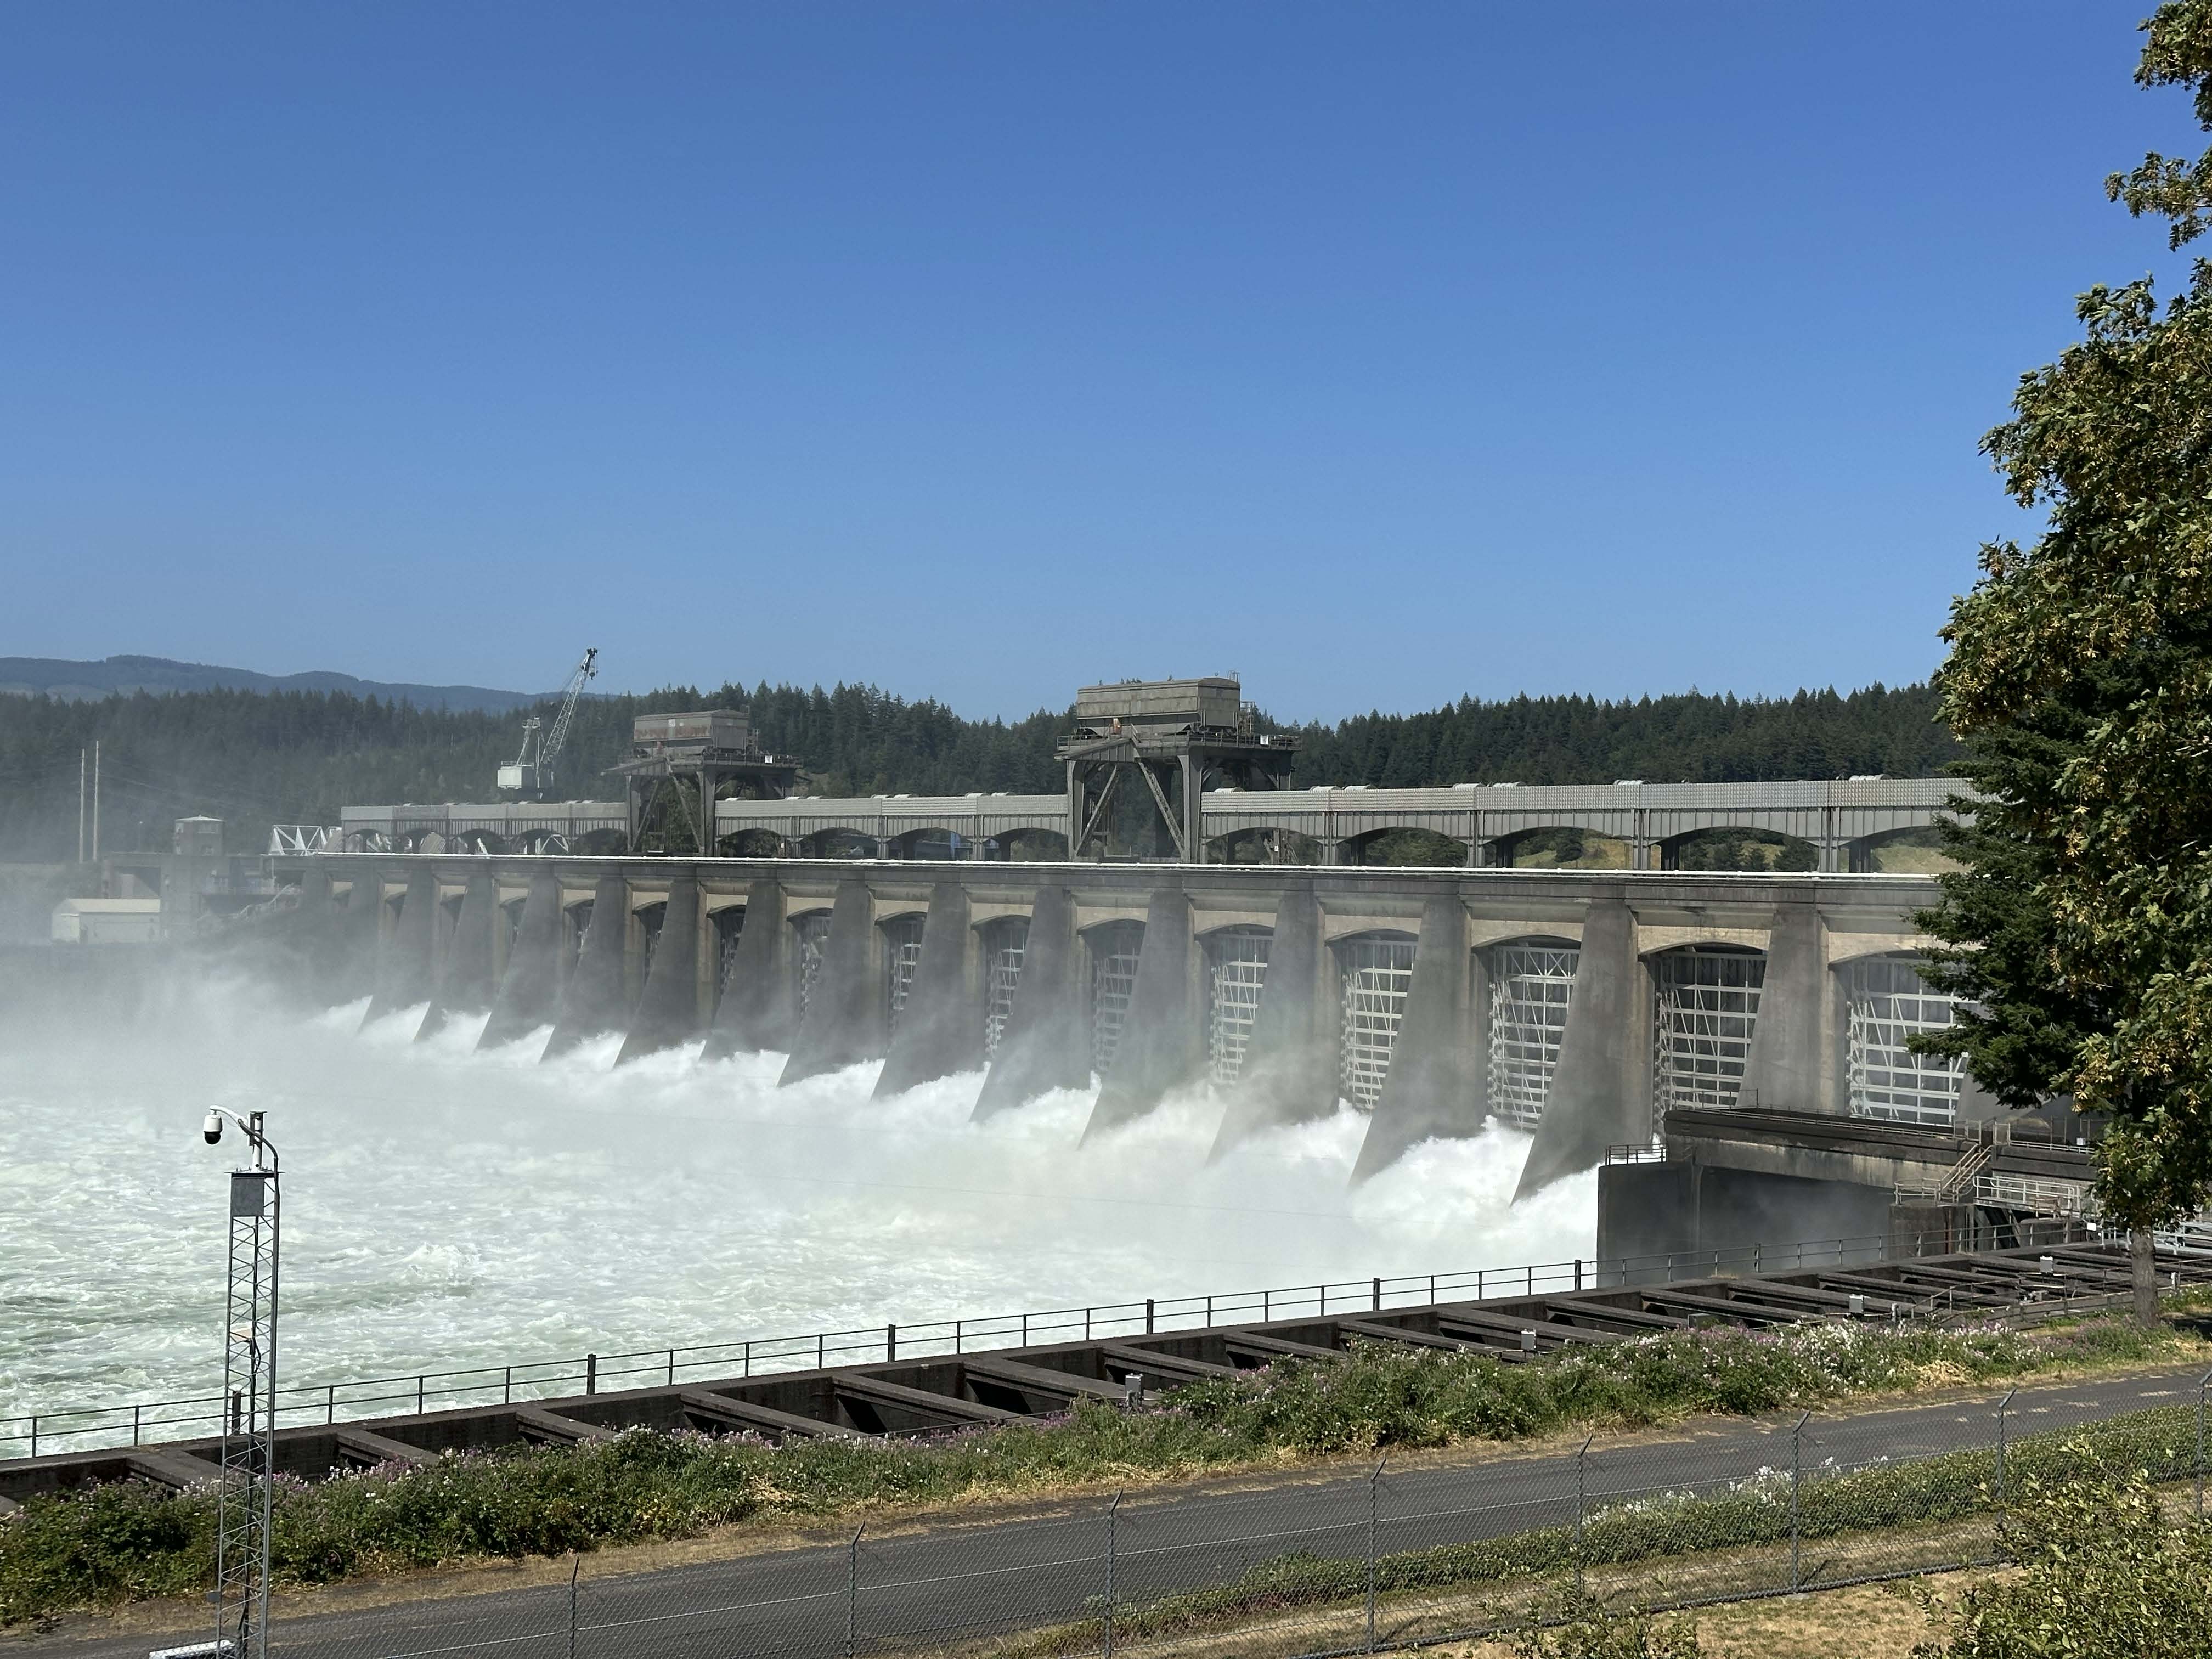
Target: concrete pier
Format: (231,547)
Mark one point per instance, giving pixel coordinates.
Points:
(406,967)
(940,1032)
(1162,1044)
(1599,1097)
(1434,1088)
(759,1010)
(1788,1040)
(592,1000)
(361,931)
(1290,1069)
(668,1007)
(467,975)
(845,1020)
(530,990)
(1047,1041)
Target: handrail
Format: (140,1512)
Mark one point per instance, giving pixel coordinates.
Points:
(303,1404)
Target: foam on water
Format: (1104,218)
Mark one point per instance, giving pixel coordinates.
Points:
(446,1207)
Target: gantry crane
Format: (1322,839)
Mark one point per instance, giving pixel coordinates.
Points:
(532,776)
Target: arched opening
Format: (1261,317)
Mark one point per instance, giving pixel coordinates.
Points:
(755,843)
(1005,944)
(649,920)
(1236,974)
(729,925)
(1113,947)
(1532,982)
(1705,1001)
(1263,844)
(1374,971)
(510,920)
(1406,847)
(838,843)
(1886,1004)
(1028,847)
(810,931)
(930,843)
(1914,852)
(902,960)
(1732,849)
(1563,848)
(600,843)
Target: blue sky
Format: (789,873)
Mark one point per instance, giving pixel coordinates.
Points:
(1383,352)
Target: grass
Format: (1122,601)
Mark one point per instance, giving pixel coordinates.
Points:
(100,1547)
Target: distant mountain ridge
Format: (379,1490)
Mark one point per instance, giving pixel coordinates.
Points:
(83,682)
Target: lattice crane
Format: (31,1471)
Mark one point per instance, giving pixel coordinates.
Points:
(532,772)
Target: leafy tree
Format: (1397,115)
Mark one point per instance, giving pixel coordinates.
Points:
(2080,679)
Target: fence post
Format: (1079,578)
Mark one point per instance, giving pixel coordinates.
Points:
(1579,1272)
(591,1373)
(671,1368)
(2203,1383)
(1378,1297)
(958,1328)
(852,1592)
(507,1389)
(135,1410)
(1374,1517)
(34,1434)
(575,1566)
(890,1340)
(1796,1478)
(2001,1405)
(1582,1504)
(418,1396)
(1113,1515)
(1149,1310)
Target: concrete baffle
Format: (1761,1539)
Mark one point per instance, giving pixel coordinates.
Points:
(759,1010)
(845,1014)
(1597,1098)
(466,980)
(1787,1068)
(1162,1044)
(1290,1074)
(592,1000)
(405,969)
(529,991)
(362,928)
(1047,1042)
(1434,1089)
(668,1008)
(940,1029)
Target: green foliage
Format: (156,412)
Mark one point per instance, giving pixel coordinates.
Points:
(2106,1574)
(113,1543)
(1586,1629)
(2081,678)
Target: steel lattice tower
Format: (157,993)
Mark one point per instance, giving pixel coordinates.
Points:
(242,1592)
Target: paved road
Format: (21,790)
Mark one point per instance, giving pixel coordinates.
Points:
(975,1579)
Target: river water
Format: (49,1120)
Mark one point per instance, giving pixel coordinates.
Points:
(444,1207)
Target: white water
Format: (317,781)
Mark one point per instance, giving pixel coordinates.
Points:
(444,1207)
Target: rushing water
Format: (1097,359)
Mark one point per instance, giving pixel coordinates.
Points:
(446,1207)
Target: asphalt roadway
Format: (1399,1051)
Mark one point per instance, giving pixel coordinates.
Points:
(968,1579)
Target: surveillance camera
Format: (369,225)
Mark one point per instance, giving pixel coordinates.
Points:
(212,1129)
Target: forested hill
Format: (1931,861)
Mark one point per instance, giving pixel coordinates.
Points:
(292,756)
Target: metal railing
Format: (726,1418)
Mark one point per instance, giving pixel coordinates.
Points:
(80,1428)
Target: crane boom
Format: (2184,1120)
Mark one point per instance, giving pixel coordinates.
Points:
(532,774)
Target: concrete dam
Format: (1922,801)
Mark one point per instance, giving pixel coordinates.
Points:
(1746,1033)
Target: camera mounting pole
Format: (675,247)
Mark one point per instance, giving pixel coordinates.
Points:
(249,1429)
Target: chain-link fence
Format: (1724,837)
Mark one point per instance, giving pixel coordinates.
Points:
(1394,1554)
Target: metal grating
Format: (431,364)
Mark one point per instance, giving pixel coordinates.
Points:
(1375,975)
(1236,971)
(1531,987)
(902,959)
(1005,945)
(1889,1002)
(1707,998)
(1112,982)
(813,931)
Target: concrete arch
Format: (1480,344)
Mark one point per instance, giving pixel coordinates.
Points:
(1266,843)
(1912,849)
(1726,847)
(1561,846)
(1705,1001)
(1027,846)
(754,843)
(838,841)
(1412,845)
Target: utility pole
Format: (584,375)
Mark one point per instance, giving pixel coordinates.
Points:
(95,800)
(79,805)
(249,1429)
